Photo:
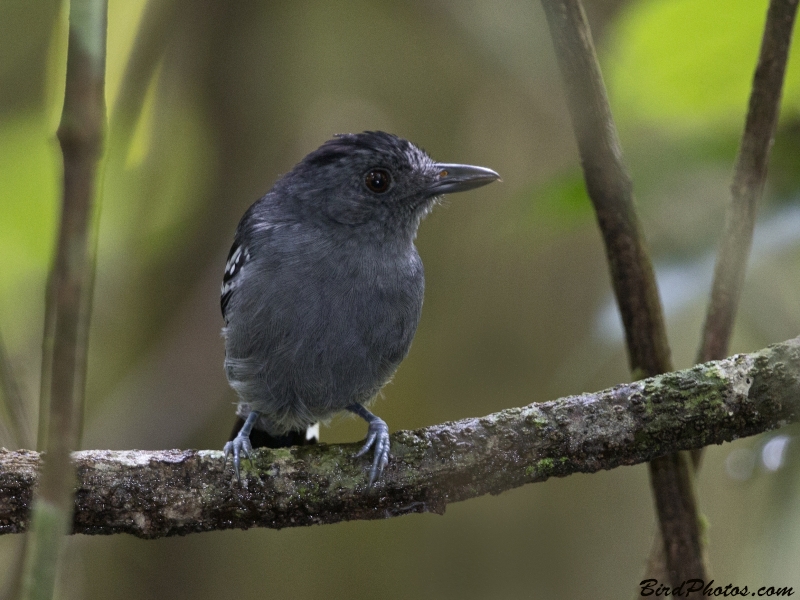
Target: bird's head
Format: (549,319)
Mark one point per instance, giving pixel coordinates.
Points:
(375,180)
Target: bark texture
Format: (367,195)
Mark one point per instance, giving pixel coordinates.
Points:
(152,494)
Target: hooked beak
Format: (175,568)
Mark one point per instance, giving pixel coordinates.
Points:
(460,178)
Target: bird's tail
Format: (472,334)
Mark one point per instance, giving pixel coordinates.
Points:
(261,439)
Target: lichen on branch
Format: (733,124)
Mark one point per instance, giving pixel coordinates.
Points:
(154,494)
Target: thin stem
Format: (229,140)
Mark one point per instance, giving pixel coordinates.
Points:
(47,363)
(749,177)
(610,189)
(80,134)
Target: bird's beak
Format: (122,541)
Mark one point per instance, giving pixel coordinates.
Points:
(460,178)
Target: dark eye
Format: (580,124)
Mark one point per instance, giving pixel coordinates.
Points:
(378,180)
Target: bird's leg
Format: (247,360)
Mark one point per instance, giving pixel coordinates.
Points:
(241,443)
(378,436)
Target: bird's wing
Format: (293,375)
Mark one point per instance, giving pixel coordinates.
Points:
(237,258)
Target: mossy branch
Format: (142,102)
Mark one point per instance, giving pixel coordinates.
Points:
(153,494)
(611,192)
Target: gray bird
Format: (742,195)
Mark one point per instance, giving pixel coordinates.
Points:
(323,286)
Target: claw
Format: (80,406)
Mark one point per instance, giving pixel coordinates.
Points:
(239,445)
(377,436)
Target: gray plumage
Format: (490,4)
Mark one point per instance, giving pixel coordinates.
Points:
(323,287)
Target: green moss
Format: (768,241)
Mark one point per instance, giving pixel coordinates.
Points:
(539,421)
(544,467)
(545,463)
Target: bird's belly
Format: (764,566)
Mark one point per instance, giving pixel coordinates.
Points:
(322,351)
(348,356)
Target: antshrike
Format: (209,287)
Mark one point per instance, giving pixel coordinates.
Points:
(323,287)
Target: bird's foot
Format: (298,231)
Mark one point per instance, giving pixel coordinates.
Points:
(238,446)
(378,436)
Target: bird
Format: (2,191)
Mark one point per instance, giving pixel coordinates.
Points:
(323,288)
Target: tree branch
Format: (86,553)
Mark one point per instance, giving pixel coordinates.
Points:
(153,494)
(610,190)
(749,177)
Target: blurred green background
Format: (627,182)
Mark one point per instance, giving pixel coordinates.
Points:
(210,101)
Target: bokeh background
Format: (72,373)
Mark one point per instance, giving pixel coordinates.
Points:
(209,102)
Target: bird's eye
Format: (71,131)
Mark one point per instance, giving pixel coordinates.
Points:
(378,180)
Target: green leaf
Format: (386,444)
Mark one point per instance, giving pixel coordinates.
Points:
(689,63)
